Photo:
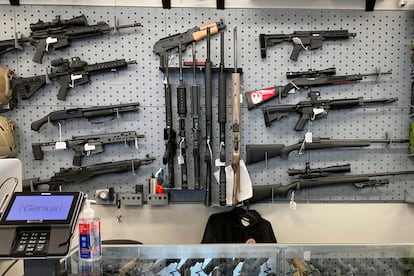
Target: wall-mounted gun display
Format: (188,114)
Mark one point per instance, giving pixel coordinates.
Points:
(258,97)
(260,152)
(81,174)
(302,40)
(71,73)
(58,34)
(315,108)
(90,112)
(87,144)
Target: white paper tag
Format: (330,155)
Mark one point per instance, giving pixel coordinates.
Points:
(246,189)
(307,256)
(292,203)
(218,163)
(180,160)
(308,137)
(88,147)
(60,145)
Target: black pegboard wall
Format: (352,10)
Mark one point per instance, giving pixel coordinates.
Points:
(382,41)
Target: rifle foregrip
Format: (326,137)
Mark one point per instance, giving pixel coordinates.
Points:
(37,151)
(259,152)
(295,53)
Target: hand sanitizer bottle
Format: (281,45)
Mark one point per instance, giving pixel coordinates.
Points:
(90,244)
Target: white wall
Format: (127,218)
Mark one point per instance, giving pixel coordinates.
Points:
(309,223)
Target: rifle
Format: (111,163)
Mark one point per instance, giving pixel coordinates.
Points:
(195,114)
(90,112)
(309,172)
(260,152)
(235,95)
(70,74)
(315,108)
(81,174)
(222,124)
(258,97)
(88,144)
(58,34)
(182,114)
(209,129)
(302,40)
(162,46)
(264,192)
(169,133)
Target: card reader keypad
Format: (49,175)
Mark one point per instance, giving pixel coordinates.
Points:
(31,243)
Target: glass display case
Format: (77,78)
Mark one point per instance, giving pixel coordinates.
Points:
(245,259)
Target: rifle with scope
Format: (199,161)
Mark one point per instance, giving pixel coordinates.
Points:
(316,108)
(302,40)
(304,181)
(80,174)
(306,79)
(71,73)
(260,152)
(90,112)
(58,34)
(87,144)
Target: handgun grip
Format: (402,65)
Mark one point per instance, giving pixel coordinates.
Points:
(37,151)
(300,125)
(63,90)
(40,51)
(295,53)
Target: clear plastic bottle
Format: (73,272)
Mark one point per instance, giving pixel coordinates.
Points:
(90,244)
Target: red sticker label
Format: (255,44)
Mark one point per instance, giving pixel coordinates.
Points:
(262,95)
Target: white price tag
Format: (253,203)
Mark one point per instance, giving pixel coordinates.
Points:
(292,203)
(307,256)
(60,145)
(180,160)
(308,137)
(88,147)
(218,163)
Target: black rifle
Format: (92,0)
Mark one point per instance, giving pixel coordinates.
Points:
(309,172)
(258,97)
(302,40)
(182,114)
(169,133)
(311,73)
(58,34)
(222,106)
(261,152)
(89,112)
(265,192)
(81,174)
(208,157)
(162,46)
(195,114)
(88,144)
(315,108)
(69,75)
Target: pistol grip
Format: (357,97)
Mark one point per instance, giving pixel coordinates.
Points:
(295,53)
(37,151)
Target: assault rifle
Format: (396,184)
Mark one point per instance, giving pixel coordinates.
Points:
(258,97)
(264,192)
(315,108)
(71,73)
(87,144)
(90,112)
(58,34)
(261,152)
(166,44)
(81,174)
(302,40)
